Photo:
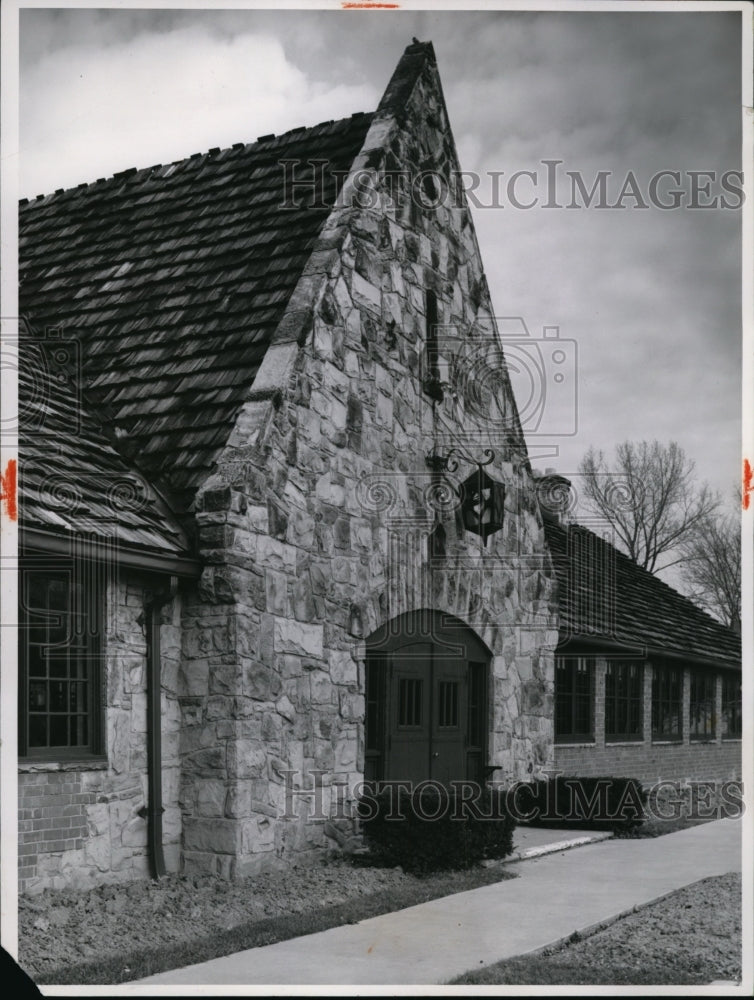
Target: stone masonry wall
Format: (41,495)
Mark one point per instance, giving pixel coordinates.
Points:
(315,528)
(79,822)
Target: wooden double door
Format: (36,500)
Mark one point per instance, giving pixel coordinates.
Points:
(426,703)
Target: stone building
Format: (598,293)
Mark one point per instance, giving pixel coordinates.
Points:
(279,530)
(279,533)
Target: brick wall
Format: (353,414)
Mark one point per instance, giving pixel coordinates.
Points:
(647,760)
(52,819)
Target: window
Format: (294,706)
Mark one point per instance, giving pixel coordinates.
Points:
(731,719)
(376,670)
(702,705)
(432,381)
(574,686)
(410,702)
(667,702)
(624,695)
(447,714)
(59,666)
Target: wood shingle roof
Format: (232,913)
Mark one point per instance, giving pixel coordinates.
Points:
(73,480)
(608,600)
(173,279)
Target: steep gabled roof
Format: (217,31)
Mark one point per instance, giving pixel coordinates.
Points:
(173,279)
(605,598)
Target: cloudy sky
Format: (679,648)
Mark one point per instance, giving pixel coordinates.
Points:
(649,297)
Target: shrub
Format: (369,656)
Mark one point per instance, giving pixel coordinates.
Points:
(599,803)
(433,829)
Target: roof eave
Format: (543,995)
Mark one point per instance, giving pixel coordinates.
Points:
(149,560)
(596,644)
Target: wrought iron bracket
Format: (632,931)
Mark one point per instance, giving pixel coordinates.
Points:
(450,461)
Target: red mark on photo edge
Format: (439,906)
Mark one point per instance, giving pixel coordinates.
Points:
(370,6)
(8,489)
(747,483)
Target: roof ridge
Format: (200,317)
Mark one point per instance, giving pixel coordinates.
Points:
(658,580)
(214,153)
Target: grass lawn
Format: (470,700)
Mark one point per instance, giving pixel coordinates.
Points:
(690,937)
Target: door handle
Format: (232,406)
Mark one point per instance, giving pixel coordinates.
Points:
(436,754)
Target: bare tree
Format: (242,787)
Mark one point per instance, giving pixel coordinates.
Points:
(712,567)
(649,497)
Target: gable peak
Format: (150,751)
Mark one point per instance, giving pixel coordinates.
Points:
(416,56)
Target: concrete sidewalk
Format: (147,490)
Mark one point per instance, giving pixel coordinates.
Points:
(431,943)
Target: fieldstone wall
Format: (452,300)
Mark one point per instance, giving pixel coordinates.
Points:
(319,523)
(79,822)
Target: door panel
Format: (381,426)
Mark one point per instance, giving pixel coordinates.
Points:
(409,700)
(447,734)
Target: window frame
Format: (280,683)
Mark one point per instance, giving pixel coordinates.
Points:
(665,704)
(618,702)
(375,714)
(91,644)
(449,700)
(708,678)
(432,382)
(410,702)
(736,732)
(573,696)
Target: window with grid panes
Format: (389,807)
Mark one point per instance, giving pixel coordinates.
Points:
(624,697)
(574,695)
(60,666)
(731,720)
(702,705)
(667,702)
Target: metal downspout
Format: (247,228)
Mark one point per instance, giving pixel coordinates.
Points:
(154,808)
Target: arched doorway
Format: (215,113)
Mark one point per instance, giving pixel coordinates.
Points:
(426,700)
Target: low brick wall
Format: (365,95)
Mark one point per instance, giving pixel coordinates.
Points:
(52,818)
(648,762)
